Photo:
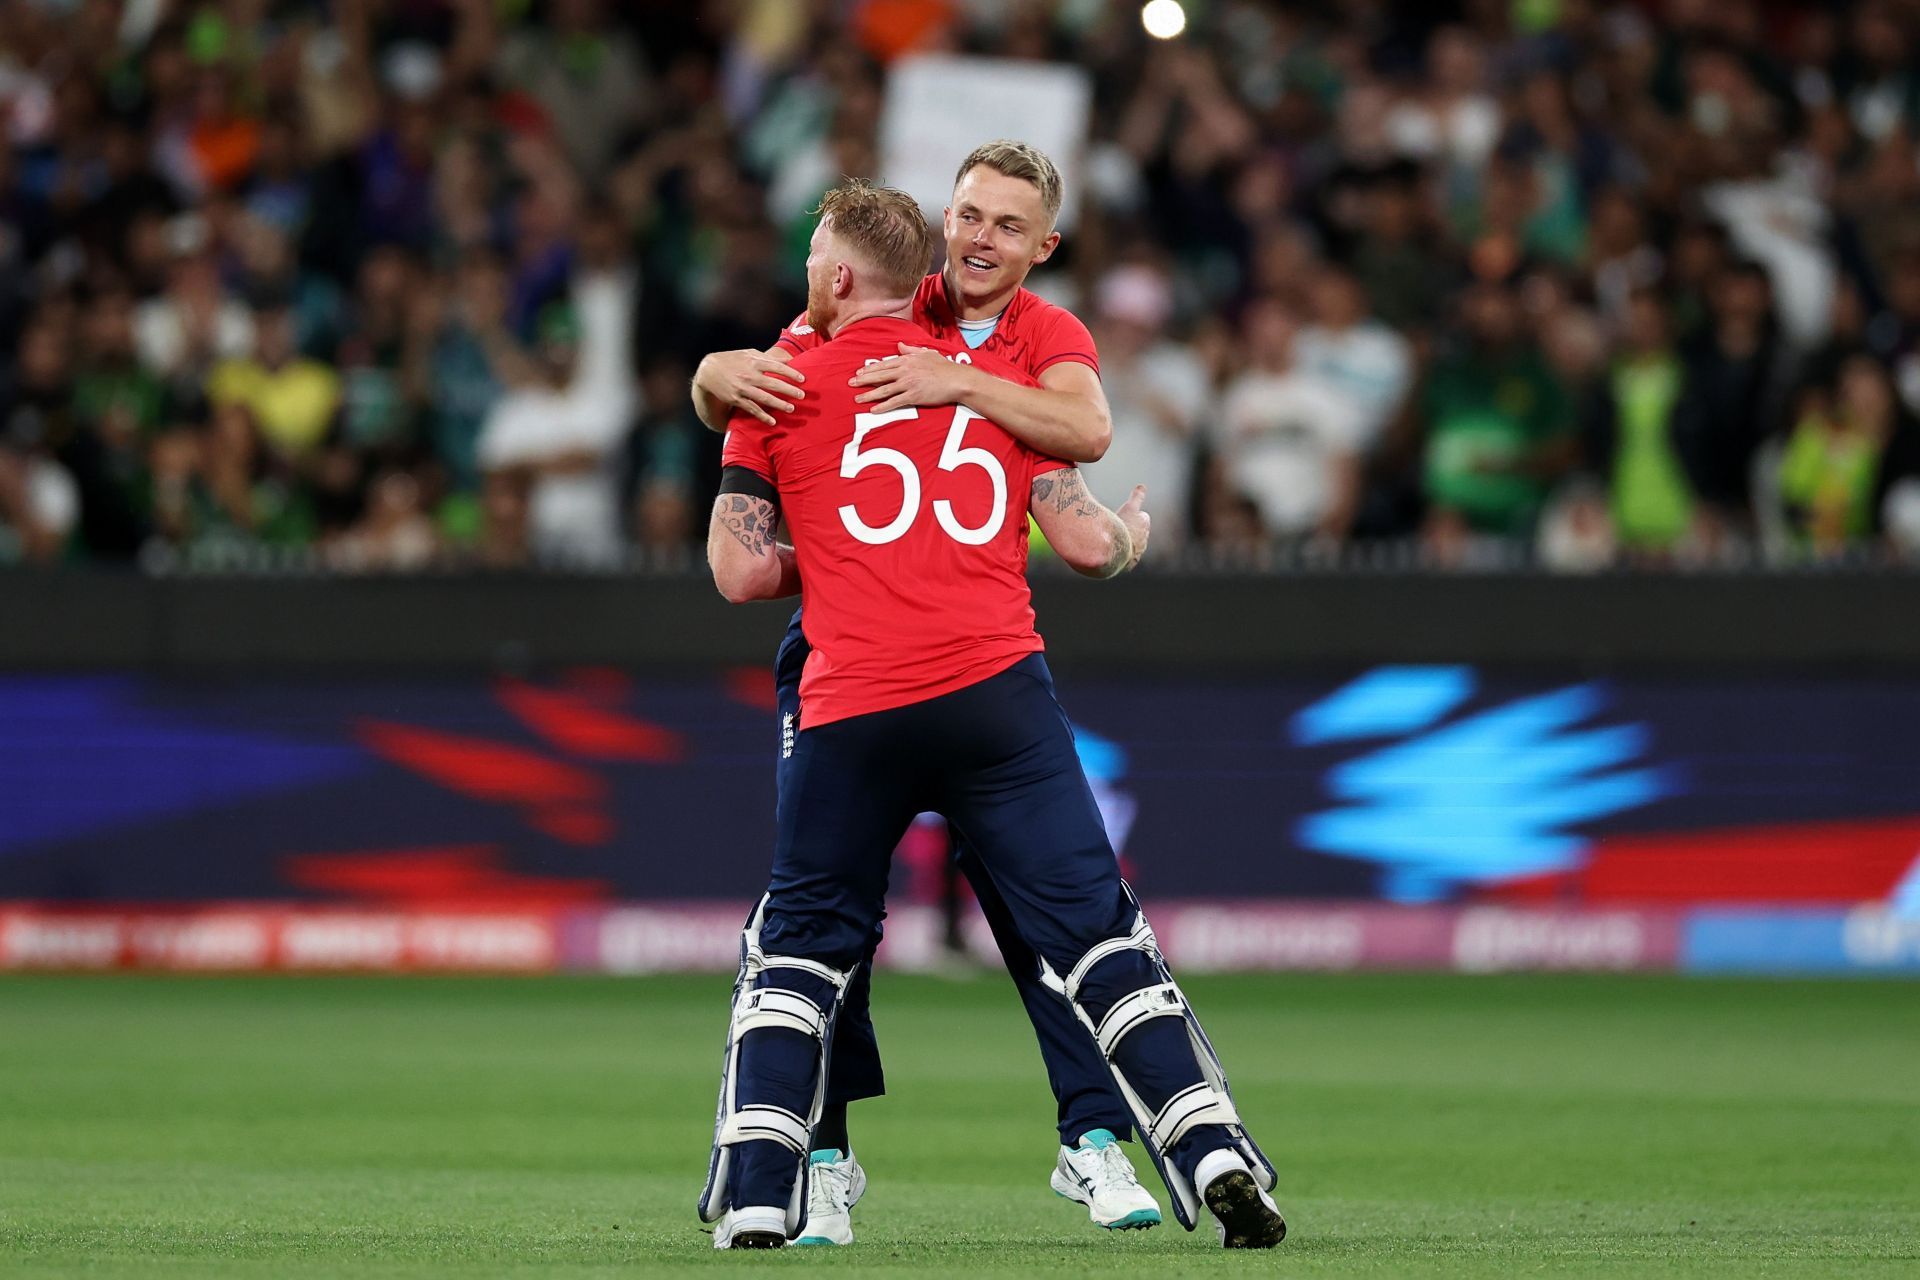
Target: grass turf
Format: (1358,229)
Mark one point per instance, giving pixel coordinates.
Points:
(394,1127)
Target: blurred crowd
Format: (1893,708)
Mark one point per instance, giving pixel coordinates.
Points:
(393,283)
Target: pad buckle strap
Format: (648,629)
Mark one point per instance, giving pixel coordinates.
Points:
(825,973)
(776,1007)
(1195,1105)
(1139,938)
(762,1122)
(1130,1011)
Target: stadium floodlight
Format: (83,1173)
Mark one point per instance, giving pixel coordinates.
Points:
(1163,19)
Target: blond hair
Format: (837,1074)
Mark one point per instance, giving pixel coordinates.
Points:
(885,227)
(1019,160)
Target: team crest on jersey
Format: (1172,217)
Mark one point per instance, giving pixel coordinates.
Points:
(801,330)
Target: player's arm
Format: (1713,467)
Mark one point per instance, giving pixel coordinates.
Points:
(1093,540)
(757,383)
(747,562)
(1066,416)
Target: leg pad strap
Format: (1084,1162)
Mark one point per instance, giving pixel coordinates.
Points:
(824,972)
(758,1122)
(1128,1012)
(1139,938)
(1195,1105)
(775,1007)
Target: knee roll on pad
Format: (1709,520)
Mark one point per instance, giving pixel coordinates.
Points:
(770,1008)
(1208,1101)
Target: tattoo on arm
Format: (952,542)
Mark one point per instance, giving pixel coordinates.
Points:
(1066,491)
(750,520)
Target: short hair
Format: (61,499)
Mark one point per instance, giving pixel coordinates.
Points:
(1019,160)
(885,226)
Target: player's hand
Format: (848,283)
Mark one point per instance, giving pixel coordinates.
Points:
(750,382)
(917,377)
(1133,514)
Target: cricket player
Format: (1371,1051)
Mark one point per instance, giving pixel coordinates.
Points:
(925,689)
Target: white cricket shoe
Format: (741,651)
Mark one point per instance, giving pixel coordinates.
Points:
(754,1227)
(1246,1215)
(836,1184)
(1098,1175)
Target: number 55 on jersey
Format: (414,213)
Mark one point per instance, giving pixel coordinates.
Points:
(899,520)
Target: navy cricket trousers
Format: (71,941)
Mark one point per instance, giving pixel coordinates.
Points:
(997,760)
(1075,1070)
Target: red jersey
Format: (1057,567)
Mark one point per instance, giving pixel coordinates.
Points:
(1033,335)
(910,528)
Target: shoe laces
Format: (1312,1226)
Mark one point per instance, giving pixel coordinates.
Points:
(1117,1168)
(830,1185)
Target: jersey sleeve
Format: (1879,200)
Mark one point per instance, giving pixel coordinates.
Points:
(999,368)
(747,446)
(798,336)
(1063,340)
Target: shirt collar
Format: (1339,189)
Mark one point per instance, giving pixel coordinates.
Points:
(947,313)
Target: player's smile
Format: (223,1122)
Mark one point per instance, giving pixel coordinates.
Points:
(997,229)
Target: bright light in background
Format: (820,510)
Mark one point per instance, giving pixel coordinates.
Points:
(1163,19)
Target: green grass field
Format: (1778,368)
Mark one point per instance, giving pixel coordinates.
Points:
(302,1127)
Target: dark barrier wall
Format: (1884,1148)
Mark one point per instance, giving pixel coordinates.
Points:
(1417,784)
(1181,623)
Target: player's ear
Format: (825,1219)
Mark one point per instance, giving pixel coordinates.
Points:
(842,279)
(1047,247)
